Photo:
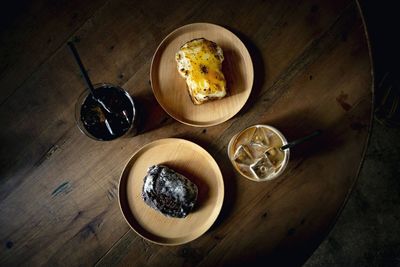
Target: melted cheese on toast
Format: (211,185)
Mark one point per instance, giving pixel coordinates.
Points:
(199,61)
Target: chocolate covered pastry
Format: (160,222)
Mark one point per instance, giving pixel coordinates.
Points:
(169,192)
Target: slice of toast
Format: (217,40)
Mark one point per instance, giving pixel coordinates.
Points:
(199,61)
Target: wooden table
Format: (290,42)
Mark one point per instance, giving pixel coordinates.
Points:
(58,192)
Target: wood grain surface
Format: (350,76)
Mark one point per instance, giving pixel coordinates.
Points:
(58,188)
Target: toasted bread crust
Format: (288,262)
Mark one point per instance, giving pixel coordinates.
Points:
(200,63)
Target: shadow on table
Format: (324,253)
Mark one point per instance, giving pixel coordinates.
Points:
(297,124)
(293,256)
(150,115)
(258,66)
(13,164)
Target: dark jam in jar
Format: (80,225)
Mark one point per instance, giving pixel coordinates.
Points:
(103,125)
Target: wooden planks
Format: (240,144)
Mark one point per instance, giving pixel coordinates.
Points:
(34,33)
(27,43)
(58,188)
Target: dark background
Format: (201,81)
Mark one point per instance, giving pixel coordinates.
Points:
(367,232)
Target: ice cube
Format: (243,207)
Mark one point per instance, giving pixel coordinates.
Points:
(260,137)
(257,150)
(275,155)
(243,156)
(262,168)
(245,169)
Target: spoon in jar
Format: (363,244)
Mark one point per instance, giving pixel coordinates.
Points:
(89,84)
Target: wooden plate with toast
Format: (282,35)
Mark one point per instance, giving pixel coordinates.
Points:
(170,88)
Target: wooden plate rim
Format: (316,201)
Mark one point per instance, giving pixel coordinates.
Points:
(190,122)
(142,232)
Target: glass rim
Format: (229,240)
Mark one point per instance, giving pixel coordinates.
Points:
(81,99)
(284,162)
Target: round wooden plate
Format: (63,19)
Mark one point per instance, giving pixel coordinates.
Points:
(192,161)
(170,88)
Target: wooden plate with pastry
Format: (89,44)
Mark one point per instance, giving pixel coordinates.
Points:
(201,74)
(172,224)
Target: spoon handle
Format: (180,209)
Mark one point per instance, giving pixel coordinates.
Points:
(301,140)
(82,68)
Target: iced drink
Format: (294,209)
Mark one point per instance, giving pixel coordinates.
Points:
(98,123)
(255,152)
